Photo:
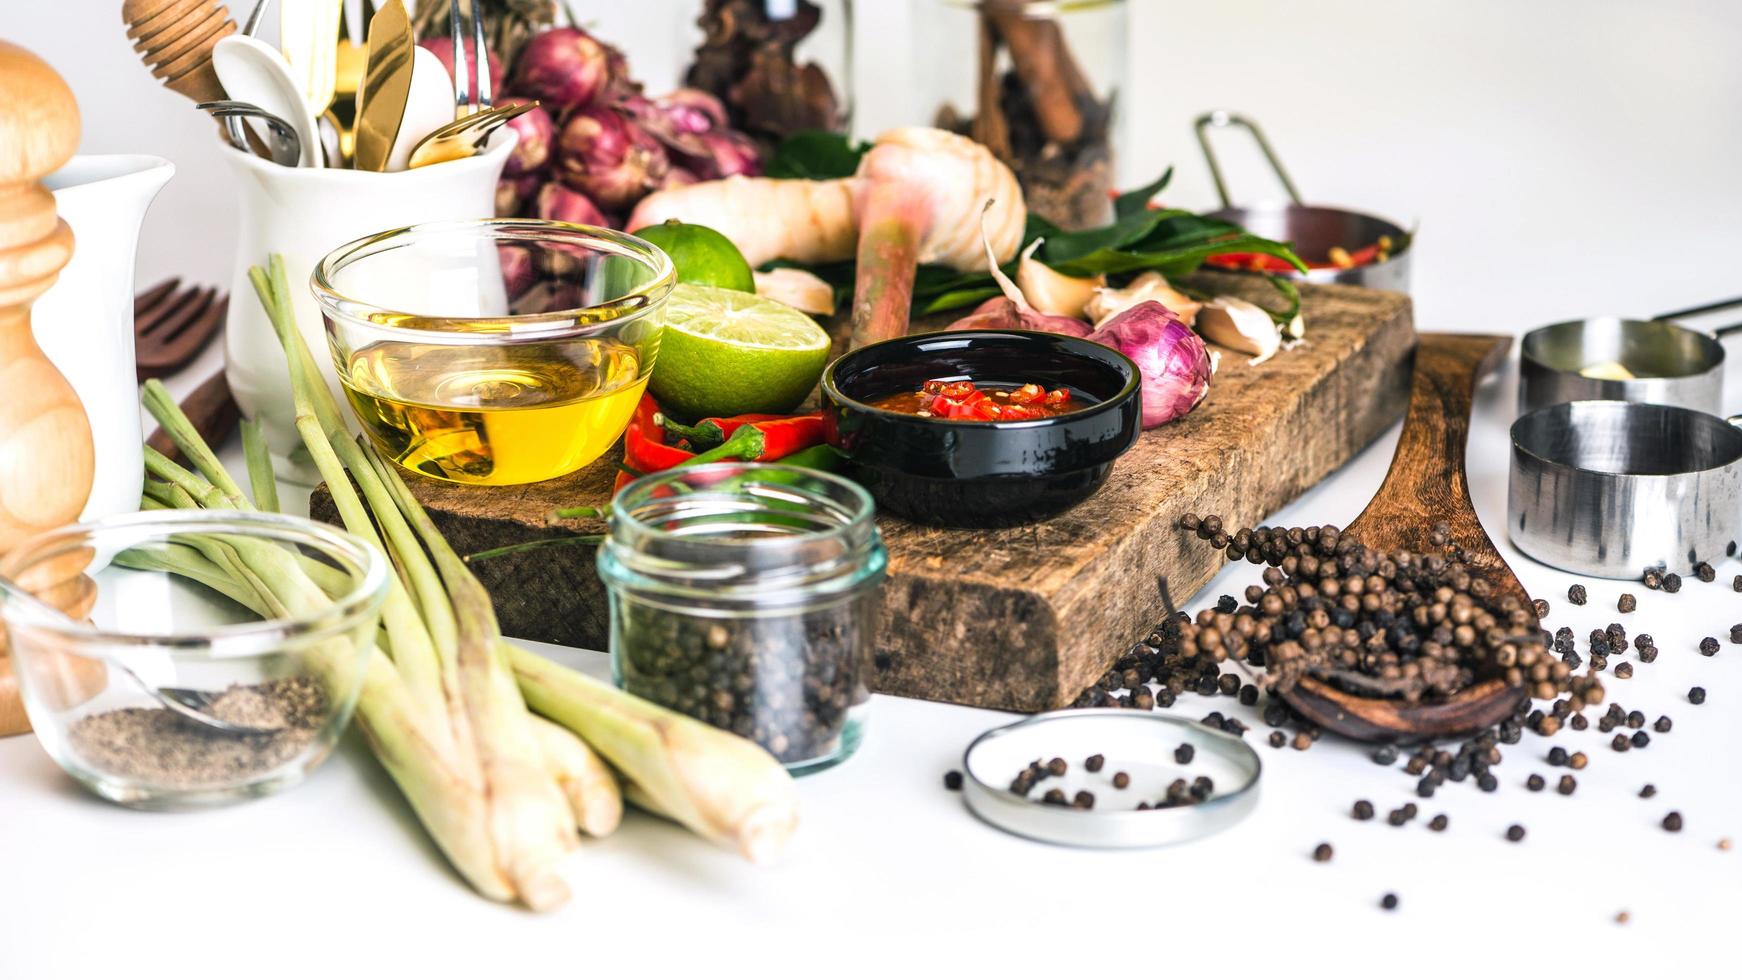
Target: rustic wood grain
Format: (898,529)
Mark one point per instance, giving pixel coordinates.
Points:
(1426,485)
(1025,618)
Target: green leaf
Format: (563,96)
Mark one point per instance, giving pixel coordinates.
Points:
(816,155)
(1123,232)
(1137,199)
(958,298)
(1171,262)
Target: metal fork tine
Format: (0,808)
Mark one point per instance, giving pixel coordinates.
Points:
(462,74)
(481,60)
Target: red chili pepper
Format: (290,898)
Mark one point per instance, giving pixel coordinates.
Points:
(752,438)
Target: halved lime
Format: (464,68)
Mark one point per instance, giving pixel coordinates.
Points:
(730,353)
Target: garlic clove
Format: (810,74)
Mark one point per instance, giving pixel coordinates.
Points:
(801,290)
(1240,326)
(1050,291)
(1106,303)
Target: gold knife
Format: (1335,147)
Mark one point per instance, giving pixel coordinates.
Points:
(386,85)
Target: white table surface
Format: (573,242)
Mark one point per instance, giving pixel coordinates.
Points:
(1563,156)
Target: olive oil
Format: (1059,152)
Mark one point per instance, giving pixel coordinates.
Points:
(495,415)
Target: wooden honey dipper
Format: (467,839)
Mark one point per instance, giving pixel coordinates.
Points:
(175,38)
(46,457)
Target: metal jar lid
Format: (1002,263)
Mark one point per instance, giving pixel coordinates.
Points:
(1138,743)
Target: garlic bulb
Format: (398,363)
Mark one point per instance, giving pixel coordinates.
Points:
(1240,326)
(1053,292)
(1108,303)
(799,289)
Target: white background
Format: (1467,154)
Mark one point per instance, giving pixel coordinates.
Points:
(1563,158)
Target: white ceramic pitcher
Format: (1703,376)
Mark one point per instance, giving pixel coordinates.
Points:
(303,213)
(84,323)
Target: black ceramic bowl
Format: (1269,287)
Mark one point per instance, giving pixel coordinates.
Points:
(982,474)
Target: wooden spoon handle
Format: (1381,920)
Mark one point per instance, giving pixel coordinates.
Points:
(1427,472)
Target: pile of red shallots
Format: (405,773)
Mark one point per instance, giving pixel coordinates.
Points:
(596,144)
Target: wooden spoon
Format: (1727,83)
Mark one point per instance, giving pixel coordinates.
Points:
(1425,486)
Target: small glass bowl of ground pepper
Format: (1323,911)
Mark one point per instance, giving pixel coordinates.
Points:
(746,595)
(160,693)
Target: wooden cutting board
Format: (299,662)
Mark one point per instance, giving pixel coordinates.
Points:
(1025,618)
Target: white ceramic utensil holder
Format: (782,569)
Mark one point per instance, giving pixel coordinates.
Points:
(302,214)
(84,323)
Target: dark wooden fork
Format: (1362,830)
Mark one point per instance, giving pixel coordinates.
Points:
(172,325)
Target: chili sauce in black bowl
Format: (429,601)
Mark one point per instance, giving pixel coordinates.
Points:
(975,474)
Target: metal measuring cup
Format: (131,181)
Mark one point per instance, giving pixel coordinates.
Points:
(1610,488)
(1670,364)
(1312,230)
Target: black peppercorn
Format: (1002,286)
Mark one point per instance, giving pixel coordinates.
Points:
(1388,902)
(1736,584)
(1202,788)
(1054,796)
(1620,743)
(1641,740)
(1627,603)
(1385,755)
(1228,684)
(1672,583)
(1579,723)
(1397,818)
(1705,571)
(1652,579)
(1672,821)
(1084,800)
(1709,646)
(1736,633)
(1557,756)
(1121,780)
(1094,762)
(1322,853)
(1249,695)
(1535,783)
(952,780)
(1647,791)
(1057,767)
(1278,739)
(1409,811)
(1183,755)
(1576,595)
(1567,785)
(1696,695)
(1636,719)
(1663,723)
(1363,810)
(1189,521)
(1487,782)
(1624,671)
(1438,823)
(1648,655)
(1425,788)
(1515,833)
(1227,604)
(1577,760)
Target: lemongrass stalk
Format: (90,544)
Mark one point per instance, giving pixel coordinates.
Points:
(261,480)
(196,486)
(534,827)
(317,422)
(187,562)
(725,788)
(594,797)
(162,406)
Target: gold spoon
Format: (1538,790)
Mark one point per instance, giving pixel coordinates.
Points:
(464,137)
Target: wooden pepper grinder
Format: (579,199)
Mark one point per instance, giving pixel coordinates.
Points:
(46,459)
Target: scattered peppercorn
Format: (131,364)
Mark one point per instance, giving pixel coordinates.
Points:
(1652,579)
(1438,823)
(1736,584)
(1647,791)
(1579,723)
(1663,724)
(1278,740)
(1621,917)
(1672,583)
(952,779)
(1696,695)
(1627,603)
(1183,755)
(1363,810)
(1121,780)
(1709,646)
(1724,844)
(1557,756)
(1623,670)
(1303,741)
(1705,571)
(1397,818)
(1389,902)
(1084,800)
(1672,821)
(1385,755)
(1535,783)
(1054,796)
(1577,760)
(1620,743)
(1567,785)
(1322,853)
(1635,719)
(1515,833)
(1094,762)
(1540,607)
(1576,595)
(1249,695)
(1057,767)
(1641,740)
(1648,655)
(1487,782)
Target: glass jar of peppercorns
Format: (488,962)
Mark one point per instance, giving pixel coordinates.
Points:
(746,595)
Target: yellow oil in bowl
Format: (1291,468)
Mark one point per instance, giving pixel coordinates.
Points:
(495,415)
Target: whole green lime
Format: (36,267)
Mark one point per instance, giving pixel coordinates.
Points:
(701,255)
(725,353)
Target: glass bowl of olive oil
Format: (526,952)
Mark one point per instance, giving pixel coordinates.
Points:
(494,352)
